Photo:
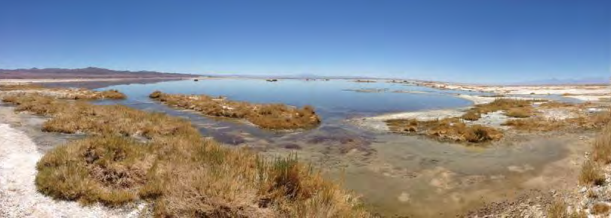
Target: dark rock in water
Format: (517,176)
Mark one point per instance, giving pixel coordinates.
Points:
(196,79)
(229,138)
(292,146)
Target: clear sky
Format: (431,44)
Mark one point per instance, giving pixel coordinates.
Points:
(450,40)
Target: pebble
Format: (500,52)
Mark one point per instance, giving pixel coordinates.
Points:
(583,189)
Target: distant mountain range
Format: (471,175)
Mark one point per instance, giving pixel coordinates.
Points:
(91,72)
(94,72)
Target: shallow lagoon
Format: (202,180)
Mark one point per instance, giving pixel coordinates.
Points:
(332,99)
(396,175)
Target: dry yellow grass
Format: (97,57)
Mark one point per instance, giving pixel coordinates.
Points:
(535,124)
(137,155)
(512,108)
(10,87)
(555,104)
(584,121)
(268,116)
(602,147)
(600,208)
(471,115)
(519,112)
(591,174)
(64,93)
(107,169)
(559,209)
(450,129)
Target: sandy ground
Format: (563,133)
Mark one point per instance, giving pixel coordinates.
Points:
(18,194)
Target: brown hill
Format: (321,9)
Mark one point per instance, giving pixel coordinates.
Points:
(90,72)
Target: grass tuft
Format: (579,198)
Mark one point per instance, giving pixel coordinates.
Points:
(519,112)
(600,208)
(602,146)
(591,174)
(558,209)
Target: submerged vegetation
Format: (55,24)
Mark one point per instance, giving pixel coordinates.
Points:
(268,116)
(135,155)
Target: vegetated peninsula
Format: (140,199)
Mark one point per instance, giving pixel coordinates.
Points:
(85,73)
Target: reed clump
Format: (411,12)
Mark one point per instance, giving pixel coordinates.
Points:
(268,116)
(449,129)
(136,155)
(591,174)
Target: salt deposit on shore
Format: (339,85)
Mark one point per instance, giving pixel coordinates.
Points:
(18,194)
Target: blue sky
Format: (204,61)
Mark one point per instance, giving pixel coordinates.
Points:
(450,40)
